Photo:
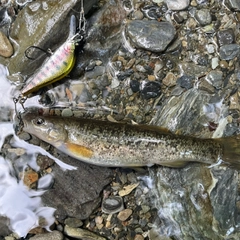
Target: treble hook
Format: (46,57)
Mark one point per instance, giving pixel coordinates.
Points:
(48,52)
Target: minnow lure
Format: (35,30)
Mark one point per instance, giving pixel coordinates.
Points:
(122,145)
(60,63)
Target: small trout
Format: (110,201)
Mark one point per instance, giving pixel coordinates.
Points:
(124,145)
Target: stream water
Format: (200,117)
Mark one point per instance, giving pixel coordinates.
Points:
(22,206)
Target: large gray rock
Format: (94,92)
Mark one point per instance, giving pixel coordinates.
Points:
(76,193)
(151,35)
(196,202)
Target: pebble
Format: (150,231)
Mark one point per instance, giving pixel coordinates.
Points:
(6,49)
(67,112)
(215,77)
(135,85)
(177,4)
(137,15)
(203,16)
(80,233)
(225,37)
(228,52)
(54,235)
(170,80)
(150,89)
(138,237)
(186,81)
(112,204)
(151,35)
(124,214)
(97,71)
(73,222)
(215,62)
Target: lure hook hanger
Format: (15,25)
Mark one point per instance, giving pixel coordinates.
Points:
(48,52)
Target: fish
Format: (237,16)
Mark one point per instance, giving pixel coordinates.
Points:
(113,144)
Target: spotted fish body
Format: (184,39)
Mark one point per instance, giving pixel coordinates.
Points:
(55,68)
(122,145)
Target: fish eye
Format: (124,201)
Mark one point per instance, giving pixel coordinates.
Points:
(40,121)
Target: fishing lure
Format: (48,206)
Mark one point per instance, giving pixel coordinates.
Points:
(59,64)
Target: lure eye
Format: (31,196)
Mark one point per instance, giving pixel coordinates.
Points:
(40,121)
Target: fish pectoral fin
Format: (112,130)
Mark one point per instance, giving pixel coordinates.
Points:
(77,151)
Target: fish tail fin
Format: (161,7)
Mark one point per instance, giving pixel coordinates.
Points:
(231,150)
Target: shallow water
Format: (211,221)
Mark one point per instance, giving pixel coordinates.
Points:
(21,205)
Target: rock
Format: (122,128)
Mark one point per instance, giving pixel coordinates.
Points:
(225,37)
(199,196)
(151,35)
(135,85)
(177,4)
(83,194)
(215,77)
(124,214)
(170,80)
(112,204)
(186,81)
(6,49)
(54,235)
(82,234)
(4,223)
(152,12)
(150,89)
(203,16)
(233,4)
(30,177)
(193,101)
(73,222)
(67,112)
(97,71)
(192,69)
(230,51)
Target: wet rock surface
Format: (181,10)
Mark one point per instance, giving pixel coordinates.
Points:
(151,35)
(169,63)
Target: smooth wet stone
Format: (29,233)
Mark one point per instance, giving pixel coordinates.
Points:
(203,16)
(151,35)
(83,234)
(72,194)
(54,235)
(73,222)
(177,4)
(225,37)
(112,204)
(228,52)
(6,48)
(200,191)
(108,23)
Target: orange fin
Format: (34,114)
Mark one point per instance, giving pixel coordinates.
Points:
(78,150)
